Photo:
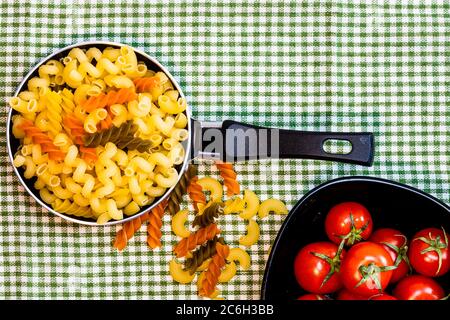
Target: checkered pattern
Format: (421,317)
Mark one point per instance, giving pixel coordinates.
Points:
(380,66)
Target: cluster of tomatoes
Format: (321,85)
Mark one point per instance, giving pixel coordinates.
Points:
(361,264)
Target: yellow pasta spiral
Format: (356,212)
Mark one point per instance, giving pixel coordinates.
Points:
(53,101)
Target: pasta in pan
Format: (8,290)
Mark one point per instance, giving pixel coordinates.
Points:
(101,134)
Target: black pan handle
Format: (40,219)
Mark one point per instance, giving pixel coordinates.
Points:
(240,141)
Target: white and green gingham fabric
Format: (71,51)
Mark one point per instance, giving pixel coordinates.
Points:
(378,66)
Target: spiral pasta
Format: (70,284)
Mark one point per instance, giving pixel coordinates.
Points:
(146,83)
(41,138)
(154,225)
(122,137)
(128,230)
(105,123)
(131,227)
(113,135)
(88,154)
(197,238)
(176,197)
(195,193)
(113,97)
(133,143)
(200,248)
(67,101)
(77,132)
(229,178)
(218,261)
(54,110)
(202,254)
(208,216)
(75,127)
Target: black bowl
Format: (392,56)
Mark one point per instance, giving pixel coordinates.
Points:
(391,204)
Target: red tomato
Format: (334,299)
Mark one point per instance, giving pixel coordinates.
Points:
(395,243)
(344,294)
(317,267)
(349,220)
(417,287)
(311,296)
(367,269)
(429,253)
(382,296)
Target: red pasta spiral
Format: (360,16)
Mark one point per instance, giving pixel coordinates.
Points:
(103,100)
(218,261)
(197,238)
(39,137)
(131,227)
(76,128)
(154,225)
(146,83)
(128,230)
(88,154)
(195,193)
(105,123)
(77,132)
(229,178)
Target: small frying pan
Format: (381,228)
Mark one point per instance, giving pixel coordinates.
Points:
(227,141)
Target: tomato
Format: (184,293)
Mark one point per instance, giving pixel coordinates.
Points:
(417,287)
(382,296)
(366,269)
(429,253)
(395,243)
(350,221)
(344,294)
(311,296)
(317,267)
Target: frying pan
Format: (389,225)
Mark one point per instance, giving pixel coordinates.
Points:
(391,204)
(228,141)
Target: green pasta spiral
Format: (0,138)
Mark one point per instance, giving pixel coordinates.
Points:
(208,216)
(176,196)
(133,143)
(122,137)
(203,253)
(112,134)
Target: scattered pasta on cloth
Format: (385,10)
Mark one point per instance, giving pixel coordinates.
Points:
(201,249)
(101,134)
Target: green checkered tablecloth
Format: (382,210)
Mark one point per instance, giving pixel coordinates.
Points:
(379,66)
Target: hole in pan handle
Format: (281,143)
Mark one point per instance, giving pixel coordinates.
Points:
(235,141)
